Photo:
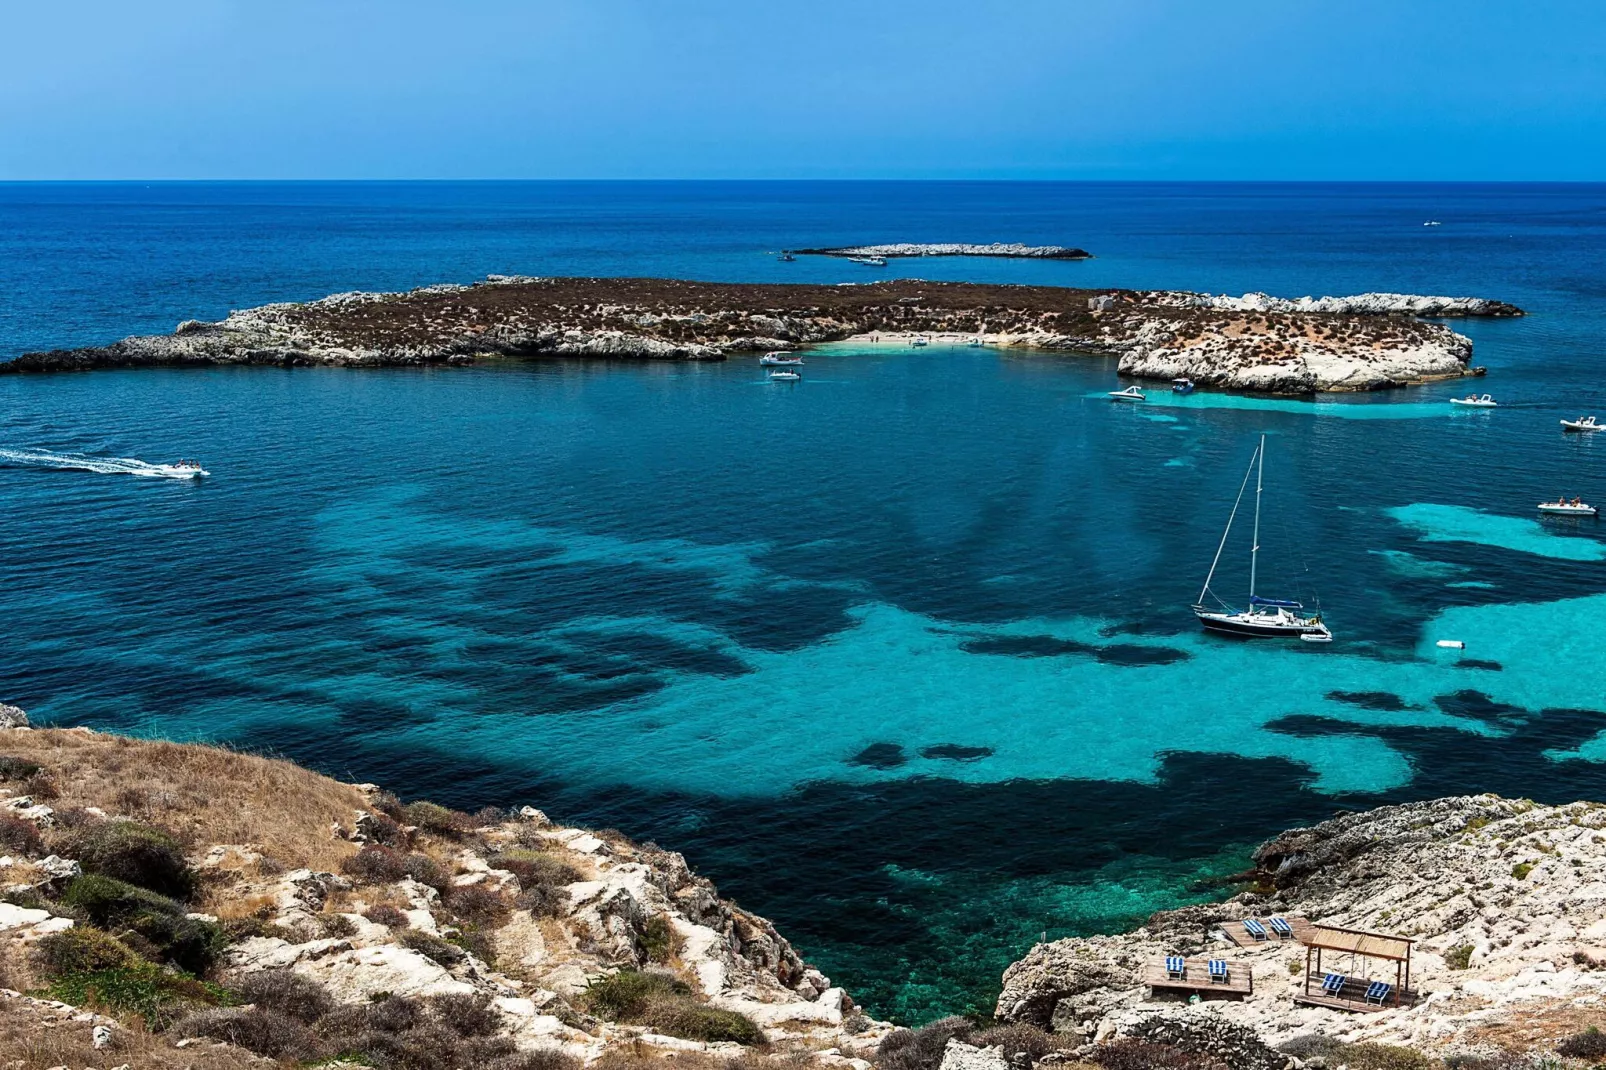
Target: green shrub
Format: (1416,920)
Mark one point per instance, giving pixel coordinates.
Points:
(476,943)
(137,854)
(20,837)
(1383,1057)
(80,950)
(255,1029)
(284,992)
(1521,870)
(624,995)
(920,1049)
(1021,1038)
(1458,957)
(690,1020)
(438,819)
(660,940)
(191,944)
(85,967)
(477,903)
(469,1015)
(431,947)
(1590,1044)
(534,868)
(12,768)
(388,916)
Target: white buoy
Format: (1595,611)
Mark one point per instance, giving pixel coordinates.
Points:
(1452,644)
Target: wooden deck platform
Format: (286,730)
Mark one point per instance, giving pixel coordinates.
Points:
(1196,978)
(1344,1003)
(1236,932)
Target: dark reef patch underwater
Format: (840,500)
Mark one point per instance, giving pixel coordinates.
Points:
(900,655)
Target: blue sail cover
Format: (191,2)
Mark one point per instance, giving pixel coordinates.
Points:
(1256,600)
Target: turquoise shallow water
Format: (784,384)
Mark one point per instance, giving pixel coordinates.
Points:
(900,654)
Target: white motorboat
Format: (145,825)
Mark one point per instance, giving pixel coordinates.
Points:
(973,343)
(782,375)
(1563,507)
(1583,423)
(1431,223)
(1263,618)
(1484,402)
(1182,386)
(182,470)
(869,261)
(786,258)
(783,360)
(919,341)
(1131,393)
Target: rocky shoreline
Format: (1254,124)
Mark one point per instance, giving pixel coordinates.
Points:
(1010,250)
(1368,342)
(1504,898)
(185,906)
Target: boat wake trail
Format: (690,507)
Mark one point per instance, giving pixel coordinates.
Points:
(120,466)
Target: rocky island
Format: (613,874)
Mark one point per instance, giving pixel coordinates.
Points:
(1369,342)
(1012,250)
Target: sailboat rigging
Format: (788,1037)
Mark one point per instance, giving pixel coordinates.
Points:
(1264,618)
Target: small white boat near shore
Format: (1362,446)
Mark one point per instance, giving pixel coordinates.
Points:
(784,360)
(1563,507)
(869,261)
(1131,393)
(1583,423)
(783,375)
(1476,402)
(920,340)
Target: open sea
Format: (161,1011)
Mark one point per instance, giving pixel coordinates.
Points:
(900,655)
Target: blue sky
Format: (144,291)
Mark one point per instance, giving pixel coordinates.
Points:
(1140,89)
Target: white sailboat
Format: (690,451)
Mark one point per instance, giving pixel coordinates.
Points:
(1264,618)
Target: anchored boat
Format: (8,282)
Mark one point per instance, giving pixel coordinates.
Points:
(784,375)
(1182,386)
(781,359)
(1264,618)
(1563,507)
(1131,393)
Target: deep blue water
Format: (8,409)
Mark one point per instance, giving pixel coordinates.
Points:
(900,655)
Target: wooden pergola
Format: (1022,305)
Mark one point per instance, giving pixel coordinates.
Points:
(1357,944)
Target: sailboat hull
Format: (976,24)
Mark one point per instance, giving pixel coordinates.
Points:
(1259,626)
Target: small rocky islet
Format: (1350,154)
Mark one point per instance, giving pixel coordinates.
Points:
(177,905)
(1253,343)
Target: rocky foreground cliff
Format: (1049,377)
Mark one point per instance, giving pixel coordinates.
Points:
(1368,342)
(166,906)
(1505,898)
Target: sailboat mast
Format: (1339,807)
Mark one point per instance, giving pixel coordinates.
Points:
(1254,550)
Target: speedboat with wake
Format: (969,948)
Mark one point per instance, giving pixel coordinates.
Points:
(181,470)
(1131,393)
(1583,423)
(1563,507)
(781,359)
(1263,618)
(1485,402)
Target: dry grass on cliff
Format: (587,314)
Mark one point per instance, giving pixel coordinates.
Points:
(208,795)
(32,1035)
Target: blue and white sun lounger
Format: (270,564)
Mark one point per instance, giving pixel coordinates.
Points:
(1254,929)
(1378,992)
(1175,968)
(1281,927)
(1218,971)
(1333,984)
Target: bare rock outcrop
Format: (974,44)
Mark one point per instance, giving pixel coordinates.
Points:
(1504,898)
